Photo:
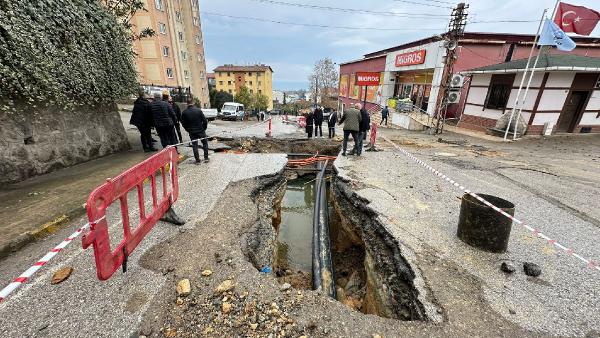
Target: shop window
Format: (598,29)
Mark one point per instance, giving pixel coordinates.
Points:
(499,91)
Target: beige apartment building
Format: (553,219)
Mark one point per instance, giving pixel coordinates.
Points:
(257,78)
(174,57)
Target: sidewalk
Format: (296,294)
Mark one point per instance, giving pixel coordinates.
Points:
(549,181)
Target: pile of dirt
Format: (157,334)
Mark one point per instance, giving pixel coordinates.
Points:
(287,146)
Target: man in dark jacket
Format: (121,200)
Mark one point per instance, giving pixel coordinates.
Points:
(141,117)
(351,120)
(365,126)
(331,121)
(195,123)
(384,115)
(164,120)
(318,122)
(177,112)
(310,120)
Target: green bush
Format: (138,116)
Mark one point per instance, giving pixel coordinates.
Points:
(63,53)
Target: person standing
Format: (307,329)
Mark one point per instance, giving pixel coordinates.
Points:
(365,126)
(164,121)
(310,119)
(195,123)
(177,112)
(318,122)
(384,115)
(331,121)
(141,117)
(351,120)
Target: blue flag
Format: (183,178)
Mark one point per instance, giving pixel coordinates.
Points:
(554,36)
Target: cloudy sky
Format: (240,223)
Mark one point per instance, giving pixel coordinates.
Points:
(243,31)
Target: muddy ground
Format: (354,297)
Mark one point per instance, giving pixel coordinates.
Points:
(231,298)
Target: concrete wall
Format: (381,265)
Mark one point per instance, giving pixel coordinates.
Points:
(56,139)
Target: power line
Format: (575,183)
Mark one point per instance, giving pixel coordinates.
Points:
(423,4)
(315,25)
(352,10)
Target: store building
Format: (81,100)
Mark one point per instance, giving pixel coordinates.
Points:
(414,70)
(564,96)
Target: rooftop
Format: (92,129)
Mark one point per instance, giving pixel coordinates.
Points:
(250,68)
(547,62)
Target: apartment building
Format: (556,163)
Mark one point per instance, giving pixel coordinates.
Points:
(257,78)
(174,57)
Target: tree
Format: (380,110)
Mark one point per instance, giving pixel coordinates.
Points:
(218,98)
(323,79)
(244,97)
(124,10)
(261,101)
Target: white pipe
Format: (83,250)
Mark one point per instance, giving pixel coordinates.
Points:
(512,111)
(543,50)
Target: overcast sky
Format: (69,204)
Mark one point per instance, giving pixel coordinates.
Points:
(292,50)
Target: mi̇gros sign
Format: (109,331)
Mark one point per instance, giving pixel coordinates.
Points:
(411,58)
(367,79)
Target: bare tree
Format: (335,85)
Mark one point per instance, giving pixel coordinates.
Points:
(323,82)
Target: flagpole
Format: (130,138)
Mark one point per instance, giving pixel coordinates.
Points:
(537,35)
(555,9)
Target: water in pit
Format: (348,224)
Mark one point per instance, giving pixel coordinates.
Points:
(295,231)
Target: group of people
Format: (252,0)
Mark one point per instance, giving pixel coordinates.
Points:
(166,117)
(314,122)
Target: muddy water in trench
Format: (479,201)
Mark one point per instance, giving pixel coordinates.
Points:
(295,231)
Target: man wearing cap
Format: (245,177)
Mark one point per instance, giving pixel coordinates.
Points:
(351,120)
(164,120)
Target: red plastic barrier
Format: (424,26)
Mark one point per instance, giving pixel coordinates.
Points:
(373,133)
(270,128)
(108,262)
(302,121)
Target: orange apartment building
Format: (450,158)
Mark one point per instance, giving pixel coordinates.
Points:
(174,57)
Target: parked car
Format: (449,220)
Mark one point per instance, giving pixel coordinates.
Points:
(210,114)
(233,111)
(275,112)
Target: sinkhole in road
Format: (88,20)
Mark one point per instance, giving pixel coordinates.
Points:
(371,275)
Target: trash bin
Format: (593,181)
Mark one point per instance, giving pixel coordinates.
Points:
(482,227)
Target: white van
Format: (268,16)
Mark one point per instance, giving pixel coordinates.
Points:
(232,111)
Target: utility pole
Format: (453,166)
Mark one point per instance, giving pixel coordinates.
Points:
(456,29)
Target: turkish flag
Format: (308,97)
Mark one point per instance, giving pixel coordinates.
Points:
(576,19)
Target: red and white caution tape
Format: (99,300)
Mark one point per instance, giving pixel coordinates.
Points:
(25,276)
(569,251)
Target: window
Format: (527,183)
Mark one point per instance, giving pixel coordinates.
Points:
(183,55)
(178,16)
(228,74)
(229,91)
(180,35)
(251,83)
(194,3)
(220,83)
(165,51)
(259,83)
(260,91)
(499,91)
(251,91)
(162,28)
(229,83)
(158,4)
(249,74)
(170,73)
(186,74)
(198,39)
(196,21)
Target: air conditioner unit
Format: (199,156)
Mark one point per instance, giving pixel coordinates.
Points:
(457,81)
(453,96)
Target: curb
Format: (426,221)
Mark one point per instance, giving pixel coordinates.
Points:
(47,228)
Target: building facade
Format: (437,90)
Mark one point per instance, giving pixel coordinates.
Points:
(564,96)
(174,57)
(257,78)
(415,70)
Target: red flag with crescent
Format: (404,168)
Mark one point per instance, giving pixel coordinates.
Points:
(576,19)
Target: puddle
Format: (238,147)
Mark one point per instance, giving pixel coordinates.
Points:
(295,230)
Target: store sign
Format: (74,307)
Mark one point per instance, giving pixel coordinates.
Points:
(411,58)
(367,79)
